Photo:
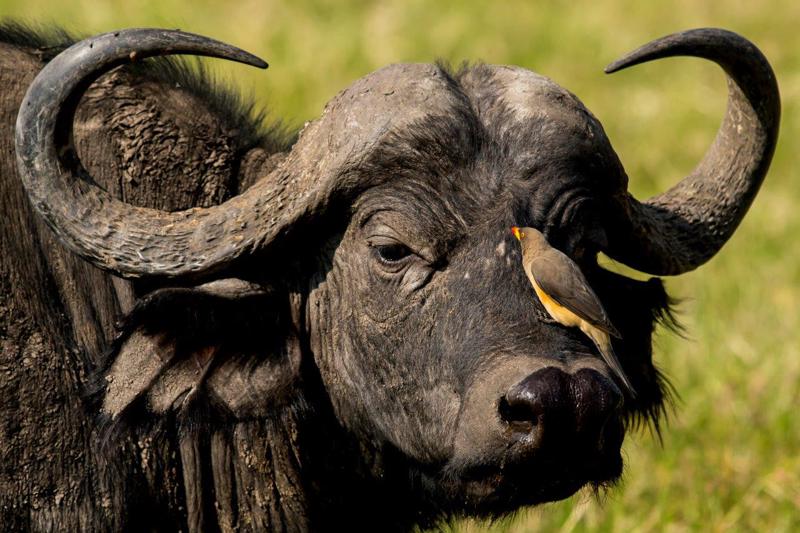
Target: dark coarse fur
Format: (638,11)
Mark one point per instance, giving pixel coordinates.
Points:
(370,362)
(58,313)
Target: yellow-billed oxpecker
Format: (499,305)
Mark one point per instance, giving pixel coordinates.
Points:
(567,296)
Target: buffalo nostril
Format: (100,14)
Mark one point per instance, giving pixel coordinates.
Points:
(536,404)
(521,417)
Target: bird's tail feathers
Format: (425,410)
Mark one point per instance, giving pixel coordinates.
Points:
(610,358)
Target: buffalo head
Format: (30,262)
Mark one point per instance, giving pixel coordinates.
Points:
(384,232)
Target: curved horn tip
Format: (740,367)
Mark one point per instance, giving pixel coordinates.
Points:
(175,42)
(682,228)
(695,42)
(617,65)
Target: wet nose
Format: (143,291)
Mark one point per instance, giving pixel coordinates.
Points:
(553,408)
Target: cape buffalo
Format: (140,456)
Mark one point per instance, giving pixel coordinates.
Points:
(330,330)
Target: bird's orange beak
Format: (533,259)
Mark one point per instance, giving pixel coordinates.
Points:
(515,231)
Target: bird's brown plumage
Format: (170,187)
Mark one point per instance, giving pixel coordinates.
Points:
(561,279)
(567,296)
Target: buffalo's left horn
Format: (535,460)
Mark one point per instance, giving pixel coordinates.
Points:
(127,240)
(682,228)
(322,170)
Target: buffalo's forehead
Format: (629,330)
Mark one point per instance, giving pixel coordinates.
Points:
(490,139)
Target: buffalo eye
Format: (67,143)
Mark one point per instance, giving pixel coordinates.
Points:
(391,253)
(408,267)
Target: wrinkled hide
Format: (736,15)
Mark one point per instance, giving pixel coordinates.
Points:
(472,314)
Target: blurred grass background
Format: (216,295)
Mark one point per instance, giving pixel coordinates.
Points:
(730,459)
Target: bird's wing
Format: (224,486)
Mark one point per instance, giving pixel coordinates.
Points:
(561,279)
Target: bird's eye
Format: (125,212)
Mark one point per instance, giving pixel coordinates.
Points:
(392,253)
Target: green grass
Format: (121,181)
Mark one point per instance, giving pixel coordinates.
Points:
(730,459)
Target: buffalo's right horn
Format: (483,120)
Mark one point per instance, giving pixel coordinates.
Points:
(682,228)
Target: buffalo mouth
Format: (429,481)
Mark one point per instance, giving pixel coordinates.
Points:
(521,477)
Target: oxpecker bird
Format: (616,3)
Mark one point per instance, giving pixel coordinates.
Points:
(567,296)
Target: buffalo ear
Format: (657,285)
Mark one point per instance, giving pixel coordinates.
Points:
(227,345)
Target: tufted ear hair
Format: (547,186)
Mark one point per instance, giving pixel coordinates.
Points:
(202,374)
(228,345)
